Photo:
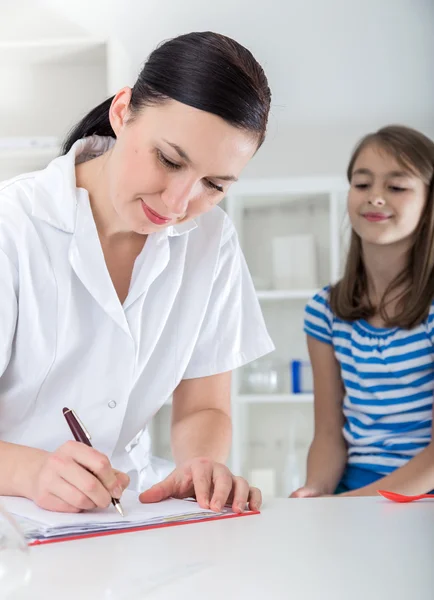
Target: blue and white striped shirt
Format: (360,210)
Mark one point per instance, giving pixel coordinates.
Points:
(388,376)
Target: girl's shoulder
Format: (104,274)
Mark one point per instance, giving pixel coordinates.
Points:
(320,301)
(318,318)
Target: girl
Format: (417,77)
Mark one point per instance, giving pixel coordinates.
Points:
(122,283)
(371,336)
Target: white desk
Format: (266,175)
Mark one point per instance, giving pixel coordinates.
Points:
(317,549)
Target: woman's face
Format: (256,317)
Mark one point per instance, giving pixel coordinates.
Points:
(171,163)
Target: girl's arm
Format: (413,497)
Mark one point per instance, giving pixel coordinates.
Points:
(416,477)
(328,453)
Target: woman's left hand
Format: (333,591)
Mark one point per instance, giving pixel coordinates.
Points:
(210,482)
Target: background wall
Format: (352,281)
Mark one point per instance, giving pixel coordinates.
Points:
(337,69)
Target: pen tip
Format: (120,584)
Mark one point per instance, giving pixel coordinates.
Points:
(119,509)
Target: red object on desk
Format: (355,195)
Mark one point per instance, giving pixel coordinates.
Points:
(402,498)
(143,528)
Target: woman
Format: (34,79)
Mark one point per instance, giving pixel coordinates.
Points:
(123,283)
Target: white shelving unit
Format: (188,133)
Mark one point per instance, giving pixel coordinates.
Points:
(284,294)
(327,195)
(274,398)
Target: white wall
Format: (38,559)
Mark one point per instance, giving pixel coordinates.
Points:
(337,69)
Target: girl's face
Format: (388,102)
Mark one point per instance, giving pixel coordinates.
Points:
(385,202)
(171,163)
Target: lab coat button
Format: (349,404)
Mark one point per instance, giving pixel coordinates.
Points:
(112,404)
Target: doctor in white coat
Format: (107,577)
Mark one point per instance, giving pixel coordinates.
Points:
(122,283)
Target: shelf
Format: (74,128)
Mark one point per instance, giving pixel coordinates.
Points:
(290,186)
(274,398)
(23,154)
(74,50)
(285,294)
(16,161)
(267,398)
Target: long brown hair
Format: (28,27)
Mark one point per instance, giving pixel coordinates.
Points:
(349,298)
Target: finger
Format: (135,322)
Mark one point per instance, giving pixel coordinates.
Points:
(240,493)
(69,494)
(160,491)
(202,473)
(255,498)
(305,493)
(79,477)
(94,461)
(123,480)
(51,502)
(300,493)
(223,487)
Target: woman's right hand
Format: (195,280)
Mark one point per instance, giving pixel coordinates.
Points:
(74,478)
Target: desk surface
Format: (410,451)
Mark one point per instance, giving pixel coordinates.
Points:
(312,549)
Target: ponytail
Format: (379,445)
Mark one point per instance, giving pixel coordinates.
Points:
(96,122)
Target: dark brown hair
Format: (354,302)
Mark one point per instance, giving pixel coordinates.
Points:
(349,298)
(205,70)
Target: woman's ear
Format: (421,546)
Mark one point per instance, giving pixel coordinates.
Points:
(119,110)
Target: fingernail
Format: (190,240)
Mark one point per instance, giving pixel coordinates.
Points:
(217,506)
(117,492)
(241,506)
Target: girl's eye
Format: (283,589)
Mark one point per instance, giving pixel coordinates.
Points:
(397,188)
(361,186)
(166,162)
(213,186)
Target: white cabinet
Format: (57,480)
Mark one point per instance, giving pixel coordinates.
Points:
(273,428)
(272,425)
(48,85)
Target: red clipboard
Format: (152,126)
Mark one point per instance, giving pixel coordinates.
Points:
(141,528)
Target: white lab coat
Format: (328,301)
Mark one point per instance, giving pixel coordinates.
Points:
(66,340)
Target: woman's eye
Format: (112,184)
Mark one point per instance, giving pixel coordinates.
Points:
(361,186)
(169,164)
(397,188)
(213,186)
(166,162)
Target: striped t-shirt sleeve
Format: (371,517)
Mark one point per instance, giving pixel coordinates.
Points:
(318,317)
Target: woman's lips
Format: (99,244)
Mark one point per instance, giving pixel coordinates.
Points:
(153,216)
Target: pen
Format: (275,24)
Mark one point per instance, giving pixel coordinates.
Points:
(80,433)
